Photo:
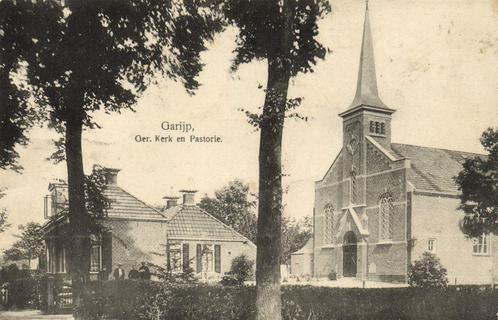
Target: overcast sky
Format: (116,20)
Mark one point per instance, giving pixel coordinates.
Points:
(436,63)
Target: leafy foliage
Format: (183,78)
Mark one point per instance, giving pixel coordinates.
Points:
(478,183)
(96,204)
(168,277)
(427,272)
(234,206)
(148,300)
(295,234)
(89,56)
(30,244)
(240,271)
(260,23)
(17,115)
(3,215)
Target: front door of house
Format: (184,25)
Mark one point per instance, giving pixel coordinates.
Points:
(349,257)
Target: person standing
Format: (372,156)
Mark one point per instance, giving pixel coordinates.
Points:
(119,273)
(144,271)
(133,274)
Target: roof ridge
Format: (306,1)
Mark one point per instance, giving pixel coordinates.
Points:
(436,148)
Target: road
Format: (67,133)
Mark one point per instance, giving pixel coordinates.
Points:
(33,315)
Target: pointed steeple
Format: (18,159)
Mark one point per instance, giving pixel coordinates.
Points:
(367,93)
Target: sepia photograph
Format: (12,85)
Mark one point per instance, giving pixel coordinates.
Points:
(248,159)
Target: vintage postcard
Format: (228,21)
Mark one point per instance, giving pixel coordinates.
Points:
(295,159)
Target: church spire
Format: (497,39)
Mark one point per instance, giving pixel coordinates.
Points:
(366,89)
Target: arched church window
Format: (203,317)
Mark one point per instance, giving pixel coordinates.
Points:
(328,223)
(386,212)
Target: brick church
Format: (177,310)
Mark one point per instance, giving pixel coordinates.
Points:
(382,204)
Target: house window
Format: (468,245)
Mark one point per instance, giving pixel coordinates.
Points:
(175,257)
(95,254)
(61,260)
(431,245)
(481,245)
(49,259)
(328,222)
(207,258)
(51,262)
(386,211)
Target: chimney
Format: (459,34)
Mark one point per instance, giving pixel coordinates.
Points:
(111,176)
(188,197)
(171,201)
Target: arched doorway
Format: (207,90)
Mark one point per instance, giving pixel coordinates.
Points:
(349,257)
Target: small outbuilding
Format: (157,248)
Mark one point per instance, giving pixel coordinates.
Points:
(302,260)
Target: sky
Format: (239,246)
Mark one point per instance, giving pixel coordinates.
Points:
(436,65)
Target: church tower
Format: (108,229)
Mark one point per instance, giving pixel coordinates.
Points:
(367,116)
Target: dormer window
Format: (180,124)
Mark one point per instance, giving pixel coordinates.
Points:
(377,128)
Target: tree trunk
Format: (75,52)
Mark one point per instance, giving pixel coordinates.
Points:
(269,237)
(78,217)
(268,300)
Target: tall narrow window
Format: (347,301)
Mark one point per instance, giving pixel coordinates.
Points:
(372,127)
(354,186)
(207,258)
(175,257)
(386,211)
(328,223)
(95,254)
(431,245)
(481,245)
(61,260)
(186,257)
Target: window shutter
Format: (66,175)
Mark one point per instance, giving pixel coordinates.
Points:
(199,258)
(186,257)
(217,258)
(106,255)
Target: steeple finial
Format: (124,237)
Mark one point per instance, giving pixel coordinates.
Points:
(366,89)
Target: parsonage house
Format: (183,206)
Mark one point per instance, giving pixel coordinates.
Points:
(178,236)
(381,204)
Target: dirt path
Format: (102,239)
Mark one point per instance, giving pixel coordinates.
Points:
(33,315)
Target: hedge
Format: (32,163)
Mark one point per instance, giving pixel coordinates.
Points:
(25,293)
(130,299)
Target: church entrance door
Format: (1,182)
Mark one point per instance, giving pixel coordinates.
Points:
(349,257)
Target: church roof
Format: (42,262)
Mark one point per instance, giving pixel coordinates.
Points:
(191,222)
(367,93)
(433,169)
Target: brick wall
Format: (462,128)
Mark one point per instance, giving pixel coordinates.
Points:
(134,241)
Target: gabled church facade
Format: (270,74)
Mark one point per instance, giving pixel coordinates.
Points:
(382,204)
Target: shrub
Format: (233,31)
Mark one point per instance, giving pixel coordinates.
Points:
(427,272)
(130,299)
(332,275)
(240,271)
(26,292)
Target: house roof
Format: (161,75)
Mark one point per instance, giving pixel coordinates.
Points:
(433,169)
(185,221)
(191,222)
(307,248)
(123,204)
